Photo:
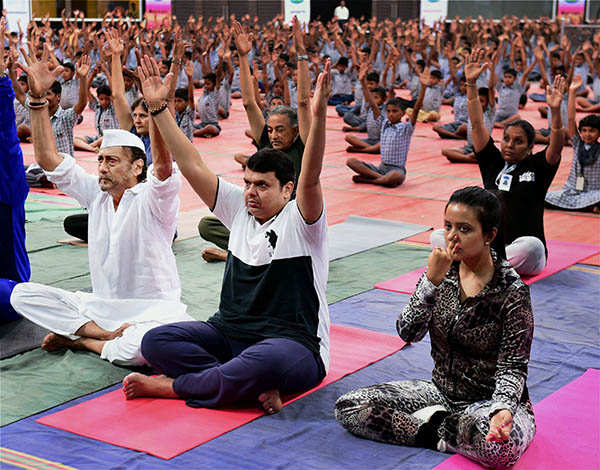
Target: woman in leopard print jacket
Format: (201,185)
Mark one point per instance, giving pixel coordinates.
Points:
(478,314)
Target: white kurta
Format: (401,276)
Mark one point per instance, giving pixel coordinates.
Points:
(132,265)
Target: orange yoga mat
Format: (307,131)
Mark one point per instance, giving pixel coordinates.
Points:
(166,428)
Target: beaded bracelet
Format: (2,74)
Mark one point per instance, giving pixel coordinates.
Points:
(159,110)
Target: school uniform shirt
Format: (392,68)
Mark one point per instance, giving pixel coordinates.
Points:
(395,142)
(523,201)
(596,88)
(185,121)
(130,252)
(374,125)
(63,122)
(104,118)
(69,94)
(208,107)
(582,70)
(488,121)
(21,113)
(132,94)
(508,99)
(225,94)
(340,83)
(459,107)
(275,276)
(432,101)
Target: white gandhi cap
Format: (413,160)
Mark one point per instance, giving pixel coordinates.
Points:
(121,138)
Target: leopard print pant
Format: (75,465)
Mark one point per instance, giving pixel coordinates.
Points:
(384,413)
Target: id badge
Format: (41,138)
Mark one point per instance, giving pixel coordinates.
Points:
(580,183)
(505,182)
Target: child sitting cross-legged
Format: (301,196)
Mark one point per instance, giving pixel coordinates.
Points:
(394,144)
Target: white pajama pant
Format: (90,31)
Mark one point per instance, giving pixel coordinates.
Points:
(64,312)
(526,254)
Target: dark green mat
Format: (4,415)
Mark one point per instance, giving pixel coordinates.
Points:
(36,380)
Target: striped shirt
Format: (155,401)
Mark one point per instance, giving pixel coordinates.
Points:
(185,121)
(395,141)
(105,118)
(208,107)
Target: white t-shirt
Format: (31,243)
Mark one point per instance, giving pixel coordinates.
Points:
(341,13)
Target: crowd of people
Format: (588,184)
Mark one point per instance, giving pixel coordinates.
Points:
(270,336)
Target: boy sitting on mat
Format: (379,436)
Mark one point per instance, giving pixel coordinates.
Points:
(270,335)
(394,144)
(135,285)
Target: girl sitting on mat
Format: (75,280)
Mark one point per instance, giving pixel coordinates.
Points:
(521,177)
(478,314)
(582,191)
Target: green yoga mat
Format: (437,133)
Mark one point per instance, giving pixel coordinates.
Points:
(47,207)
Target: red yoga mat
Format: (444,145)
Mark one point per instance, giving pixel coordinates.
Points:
(561,255)
(166,428)
(568,434)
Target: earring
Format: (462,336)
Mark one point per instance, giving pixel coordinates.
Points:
(486,243)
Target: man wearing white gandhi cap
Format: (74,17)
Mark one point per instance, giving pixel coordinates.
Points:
(135,284)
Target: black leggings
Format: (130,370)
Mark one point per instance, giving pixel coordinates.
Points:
(77,226)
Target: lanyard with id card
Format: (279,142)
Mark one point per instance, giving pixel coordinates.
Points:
(504,179)
(580,182)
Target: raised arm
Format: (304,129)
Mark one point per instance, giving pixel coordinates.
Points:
(575,84)
(473,69)
(304,117)
(40,79)
(82,72)
(161,159)
(309,195)
(366,92)
(193,168)
(554,97)
(425,79)
(122,109)
(255,116)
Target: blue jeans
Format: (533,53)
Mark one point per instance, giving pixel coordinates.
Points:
(212,370)
(339,99)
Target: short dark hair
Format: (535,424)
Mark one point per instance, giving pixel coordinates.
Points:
(69,65)
(526,127)
(343,61)
(139,102)
(421,62)
(373,77)
(104,90)
(267,159)
(22,78)
(276,97)
(212,77)
(139,154)
(56,87)
(511,71)
(592,120)
(483,91)
(380,91)
(488,209)
(182,93)
(437,74)
(396,102)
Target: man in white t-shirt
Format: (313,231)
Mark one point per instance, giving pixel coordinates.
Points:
(135,285)
(271,333)
(342,13)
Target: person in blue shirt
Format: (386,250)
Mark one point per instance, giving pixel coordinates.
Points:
(14,262)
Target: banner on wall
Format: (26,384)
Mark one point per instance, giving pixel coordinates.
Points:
(570,7)
(299,8)
(17,11)
(433,10)
(158,11)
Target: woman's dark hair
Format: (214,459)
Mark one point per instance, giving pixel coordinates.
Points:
(139,154)
(139,102)
(266,160)
(489,212)
(591,120)
(526,127)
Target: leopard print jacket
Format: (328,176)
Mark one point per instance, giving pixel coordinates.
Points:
(480,346)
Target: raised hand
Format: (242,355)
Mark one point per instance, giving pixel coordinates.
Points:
(425,77)
(39,76)
(362,73)
(500,427)
(189,69)
(154,90)
(473,66)
(243,41)
(575,83)
(298,35)
(4,58)
(322,91)
(114,43)
(84,67)
(554,95)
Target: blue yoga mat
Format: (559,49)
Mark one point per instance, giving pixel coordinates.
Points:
(305,435)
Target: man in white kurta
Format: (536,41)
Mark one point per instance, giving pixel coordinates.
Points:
(132,222)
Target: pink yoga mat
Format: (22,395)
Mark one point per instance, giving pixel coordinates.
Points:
(561,255)
(568,433)
(166,428)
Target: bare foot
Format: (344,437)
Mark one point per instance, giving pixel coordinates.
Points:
(347,129)
(362,179)
(117,333)
(137,385)
(270,401)
(54,342)
(353,149)
(214,254)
